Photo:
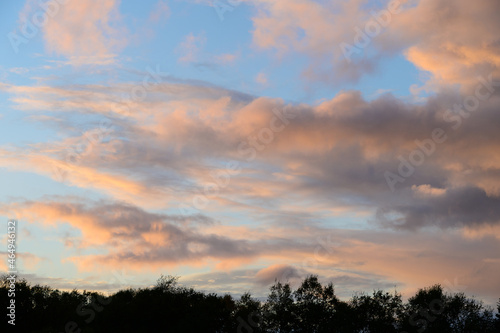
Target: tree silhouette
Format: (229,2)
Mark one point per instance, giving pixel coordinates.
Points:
(280,310)
(249,314)
(431,310)
(498,317)
(315,305)
(379,312)
(311,308)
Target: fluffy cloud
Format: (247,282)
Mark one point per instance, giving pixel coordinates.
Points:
(86,32)
(312,28)
(337,152)
(130,233)
(282,273)
(468,206)
(436,36)
(445,39)
(266,180)
(131,238)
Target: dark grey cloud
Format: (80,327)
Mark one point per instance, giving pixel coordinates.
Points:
(457,207)
(282,273)
(335,154)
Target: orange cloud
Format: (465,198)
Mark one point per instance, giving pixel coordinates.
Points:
(335,150)
(438,37)
(445,39)
(86,32)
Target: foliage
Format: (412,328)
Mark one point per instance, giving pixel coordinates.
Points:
(312,307)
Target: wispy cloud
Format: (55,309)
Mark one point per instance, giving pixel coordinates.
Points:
(288,187)
(160,12)
(191,48)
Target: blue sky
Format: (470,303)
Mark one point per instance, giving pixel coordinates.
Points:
(158,137)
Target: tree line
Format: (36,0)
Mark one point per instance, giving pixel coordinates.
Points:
(312,307)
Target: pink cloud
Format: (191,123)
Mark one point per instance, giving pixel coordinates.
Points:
(191,48)
(86,32)
(436,36)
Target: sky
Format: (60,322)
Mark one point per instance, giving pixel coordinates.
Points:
(233,143)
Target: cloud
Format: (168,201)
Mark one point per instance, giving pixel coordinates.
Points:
(435,36)
(426,191)
(86,32)
(261,78)
(129,233)
(122,233)
(316,30)
(445,39)
(191,47)
(24,261)
(304,171)
(467,206)
(226,58)
(19,70)
(336,152)
(278,272)
(160,12)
